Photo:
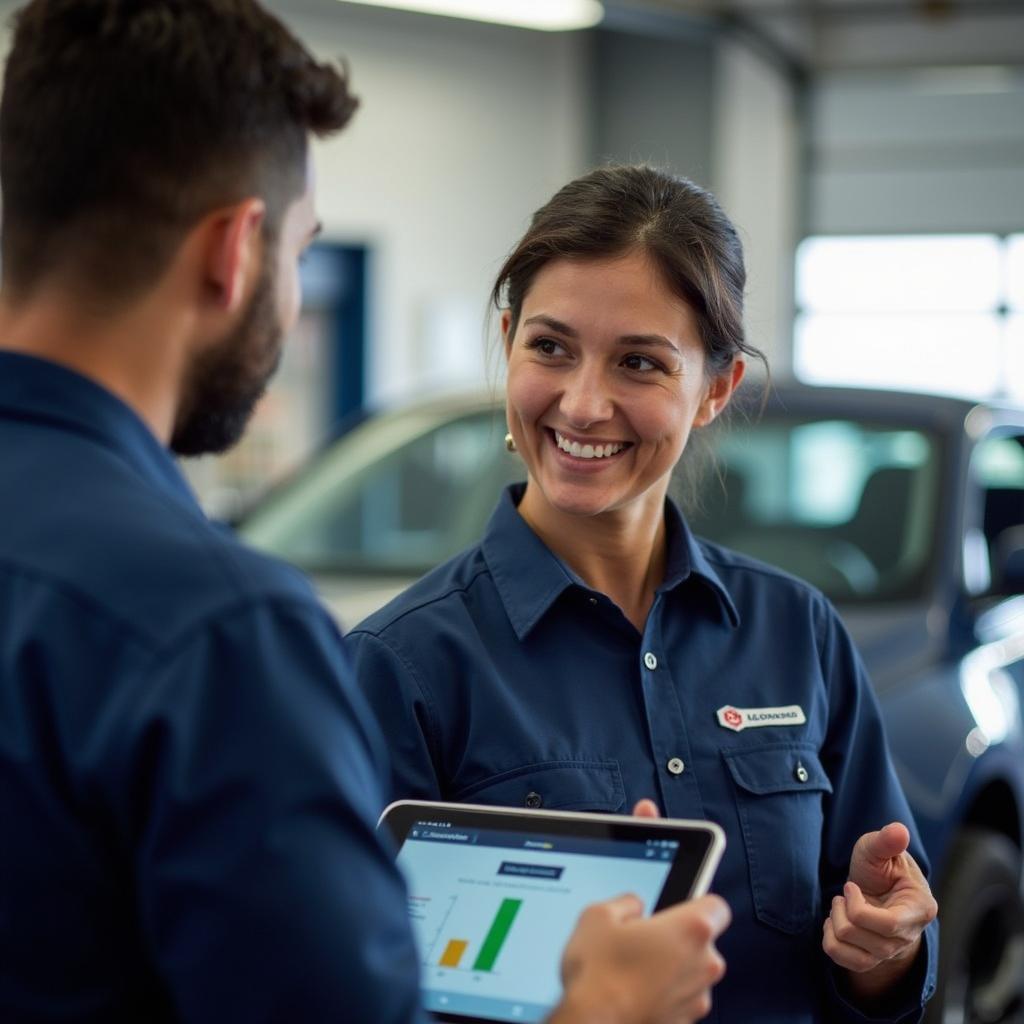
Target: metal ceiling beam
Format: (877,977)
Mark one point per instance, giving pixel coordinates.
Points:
(854,10)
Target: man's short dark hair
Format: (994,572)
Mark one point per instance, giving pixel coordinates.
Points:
(123,122)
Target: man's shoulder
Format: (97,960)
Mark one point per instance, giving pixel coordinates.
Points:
(138,554)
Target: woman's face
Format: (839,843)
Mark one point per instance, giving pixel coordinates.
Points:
(605,381)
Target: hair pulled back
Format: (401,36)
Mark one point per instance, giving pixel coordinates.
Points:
(681,227)
(123,122)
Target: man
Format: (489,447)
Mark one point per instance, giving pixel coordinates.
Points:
(188,782)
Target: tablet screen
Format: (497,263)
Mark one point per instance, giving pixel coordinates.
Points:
(493,908)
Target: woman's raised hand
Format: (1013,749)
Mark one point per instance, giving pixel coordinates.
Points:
(874,929)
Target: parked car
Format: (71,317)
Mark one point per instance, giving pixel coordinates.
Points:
(906,510)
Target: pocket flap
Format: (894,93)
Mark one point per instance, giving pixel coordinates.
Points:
(554,786)
(777,768)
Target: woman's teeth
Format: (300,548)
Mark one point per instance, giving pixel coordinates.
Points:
(586,451)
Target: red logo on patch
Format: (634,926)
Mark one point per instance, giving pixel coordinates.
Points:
(732,718)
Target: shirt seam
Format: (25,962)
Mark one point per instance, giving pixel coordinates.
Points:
(766,570)
(451,591)
(153,645)
(236,608)
(434,738)
(93,604)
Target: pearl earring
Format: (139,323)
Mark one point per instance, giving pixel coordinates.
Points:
(510,443)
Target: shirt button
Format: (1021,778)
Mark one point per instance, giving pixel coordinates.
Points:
(593,600)
(676,766)
(801,773)
(534,800)
(650,661)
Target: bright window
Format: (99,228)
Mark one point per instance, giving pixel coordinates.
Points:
(940,313)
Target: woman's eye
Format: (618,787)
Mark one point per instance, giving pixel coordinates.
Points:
(546,346)
(641,363)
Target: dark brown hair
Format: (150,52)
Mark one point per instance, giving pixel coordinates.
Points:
(680,225)
(123,122)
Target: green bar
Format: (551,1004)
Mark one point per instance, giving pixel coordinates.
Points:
(497,935)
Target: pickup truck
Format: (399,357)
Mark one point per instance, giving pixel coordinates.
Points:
(906,510)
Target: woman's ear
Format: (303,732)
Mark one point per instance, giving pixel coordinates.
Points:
(720,390)
(506,326)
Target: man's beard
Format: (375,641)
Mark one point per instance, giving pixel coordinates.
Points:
(224,383)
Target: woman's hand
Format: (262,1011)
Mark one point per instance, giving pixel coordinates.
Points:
(646,808)
(874,929)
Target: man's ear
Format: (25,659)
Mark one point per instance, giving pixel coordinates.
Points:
(720,390)
(233,253)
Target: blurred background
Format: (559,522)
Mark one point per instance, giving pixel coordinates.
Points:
(871,153)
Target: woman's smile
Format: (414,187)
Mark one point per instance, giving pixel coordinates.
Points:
(586,449)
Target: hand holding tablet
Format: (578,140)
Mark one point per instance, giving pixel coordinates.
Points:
(620,967)
(496,894)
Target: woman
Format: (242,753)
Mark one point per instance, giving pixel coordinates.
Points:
(590,651)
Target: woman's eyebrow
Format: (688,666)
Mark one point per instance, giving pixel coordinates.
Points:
(553,324)
(653,340)
(656,340)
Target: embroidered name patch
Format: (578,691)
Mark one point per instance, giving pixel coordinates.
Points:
(738,719)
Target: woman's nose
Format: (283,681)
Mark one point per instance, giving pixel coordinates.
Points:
(586,399)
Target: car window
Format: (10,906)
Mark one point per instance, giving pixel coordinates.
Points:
(421,501)
(998,468)
(847,505)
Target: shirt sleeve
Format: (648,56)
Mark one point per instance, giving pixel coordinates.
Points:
(264,891)
(405,714)
(866,796)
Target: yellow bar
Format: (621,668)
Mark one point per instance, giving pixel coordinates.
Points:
(453,953)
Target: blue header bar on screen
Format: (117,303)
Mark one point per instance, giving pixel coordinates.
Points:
(443,832)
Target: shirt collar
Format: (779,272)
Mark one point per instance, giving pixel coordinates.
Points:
(685,560)
(38,389)
(529,577)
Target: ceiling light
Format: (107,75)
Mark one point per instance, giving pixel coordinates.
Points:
(548,15)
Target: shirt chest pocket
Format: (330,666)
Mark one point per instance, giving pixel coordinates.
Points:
(552,785)
(780,790)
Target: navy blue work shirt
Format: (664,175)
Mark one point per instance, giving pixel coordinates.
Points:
(188,781)
(501,678)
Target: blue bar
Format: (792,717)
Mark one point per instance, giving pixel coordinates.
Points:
(533,842)
(530,870)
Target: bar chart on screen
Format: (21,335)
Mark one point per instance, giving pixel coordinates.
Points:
(491,945)
(467,937)
(492,914)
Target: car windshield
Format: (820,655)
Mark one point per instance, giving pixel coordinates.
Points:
(397,495)
(845,504)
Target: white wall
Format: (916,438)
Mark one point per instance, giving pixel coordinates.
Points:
(464,130)
(756,178)
(926,150)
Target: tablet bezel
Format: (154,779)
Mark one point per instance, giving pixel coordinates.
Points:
(681,884)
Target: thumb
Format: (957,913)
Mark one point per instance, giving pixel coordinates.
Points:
(885,844)
(714,910)
(646,809)
(624,908)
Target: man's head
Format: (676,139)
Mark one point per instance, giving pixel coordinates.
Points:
(125,123)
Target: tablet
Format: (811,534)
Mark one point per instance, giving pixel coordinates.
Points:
(495,893)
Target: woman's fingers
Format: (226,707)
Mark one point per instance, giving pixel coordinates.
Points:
(875,945)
